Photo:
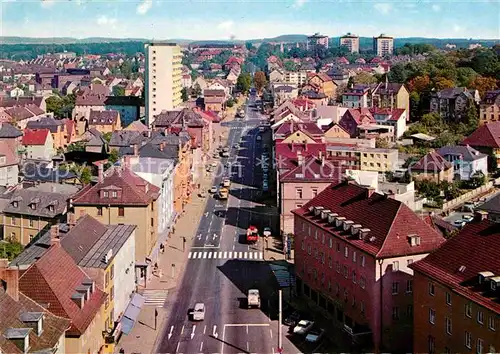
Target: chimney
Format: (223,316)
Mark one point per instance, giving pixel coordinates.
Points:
(136,149)
(162,146)
(369,192)
(100,173)
(71,220)
(300,158)
(11,279)
(480,215)
(54,235)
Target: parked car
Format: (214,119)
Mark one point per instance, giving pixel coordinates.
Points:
(314,335)
(459,223)
(468,218)
(265,185)
(303,327)
(267,231)
(292,319)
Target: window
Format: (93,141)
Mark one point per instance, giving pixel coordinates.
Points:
(395,313)
(479,346)
(99,211)
(114,194)
(491,323)
(112,271)
(354,256)
(346,252)
(322,238)
(316,234)
(338,246)
(337,266)
(330,262)
(303,245)
(354,276)
(309,249)
(106,282)
(492,349)
(362,306)
(330,242)
(111,293)
(448,298)
(32,237)
(346,272)
(298,193)
(431,289)
(409,310)
(31,223)
(468,339)
(13,221)
(106,304)
(121,211)
(410,261)
(395,288)
(395,266)
(480,317)
(314,192)
(448,325)
(432,344)
(432,316)
(105,194)
(468,310)
(362,282)
(409,286)
(363,261)
(353,301)
(152,222)
(15,204)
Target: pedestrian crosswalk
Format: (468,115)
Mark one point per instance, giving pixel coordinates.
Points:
(226,255)
(155,297)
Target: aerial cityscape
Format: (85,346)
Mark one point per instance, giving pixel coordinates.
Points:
(249,177)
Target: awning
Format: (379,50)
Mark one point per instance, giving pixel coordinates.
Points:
(282,274)
(131,314)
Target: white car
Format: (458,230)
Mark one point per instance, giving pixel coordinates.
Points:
(303,327)
(213,189)
(314,335)
(468,218)
(198,312)
(267,231)
(459,223)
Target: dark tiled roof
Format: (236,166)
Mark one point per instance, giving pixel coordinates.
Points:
(487,135)
(134,190)
(20,101)
(37,203)
(492,205)
(467,153)
(9,131)
(52,280)
(154,151)
(123,137)
(458,261)
(185,117)
(45,123)
(214,93)
(390,221)
(431,163)
(11,313)
(44,174)
(103,117)
(490,97)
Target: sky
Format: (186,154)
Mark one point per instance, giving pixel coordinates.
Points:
(248,19)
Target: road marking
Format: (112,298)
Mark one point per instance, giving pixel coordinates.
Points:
(240,254)
(178,345)
(271,332)
(192,332)
(246,255)
(204,255)
(210,254)
(260,255)
(201,346)
(205,329)
(250,255)
(182,330)
(233,247)
(190,254)
(225,255)
(247,329)
(220,255)
(171,330)
(247,324)
(248,347)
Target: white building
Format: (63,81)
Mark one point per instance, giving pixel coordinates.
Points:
(38,144)
(383,45)
(9,168)
(163,78)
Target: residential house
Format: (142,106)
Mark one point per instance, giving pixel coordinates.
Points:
(57,128)
(391,95)
(105,253)
(25,325)
(354,118)
(323,84)
(11,135)
(136,126)
(21,115)
(274,63)
(301,133)
(214,100)
(466,161)
(352,251)
(38,144)
(433,167)
(456,290)
(9,165)
(73,295)
(187,81)
(489,108)
(201,82)
(357,96)
(283,93)
(122,195)
(32,211)
(219,84)
(486,139)
(39,102)
(232,61)
(325,115)
(492,207)
(334,131)
(276,75)
(94,141)
(232,76)
(105,121)
(364,158)
(43,173)
(390,124)
(452,103)
(298,78)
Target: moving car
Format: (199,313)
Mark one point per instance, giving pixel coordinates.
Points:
(459,223)
(213,189)
(223,192)
(303,327)
(314,335)
(198,314)
(259,138)
(252,234)
(253,298)
(226,182)
(267,231)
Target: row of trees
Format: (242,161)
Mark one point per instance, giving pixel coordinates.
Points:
(245,81)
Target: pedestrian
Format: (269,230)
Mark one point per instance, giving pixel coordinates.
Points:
(183,244)
(162,248)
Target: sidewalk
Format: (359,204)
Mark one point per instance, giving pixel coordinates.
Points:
(142,338)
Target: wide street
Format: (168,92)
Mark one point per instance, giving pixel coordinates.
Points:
(222,267)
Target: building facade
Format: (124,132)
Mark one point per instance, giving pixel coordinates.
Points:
(383,45)
(489,108)
(163,78)
(351,42)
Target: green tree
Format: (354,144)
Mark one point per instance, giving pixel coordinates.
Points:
(471,118)
(126,69)
(10,249)
(485,62)
(259,80)
(244,82)
(398,73)
(118,90)
(465,76)
(364,78)
(113,156)
(483,84)
(184,94)
(290,66)
(107,137)
(249,46)
(230,103)
(197,90)
(76,146)
(61,106)
(381,143)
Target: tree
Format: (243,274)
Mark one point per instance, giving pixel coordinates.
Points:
(259,80)
(244,82)
(477,180)
(485,62)
(113,156)
(118,90)
(364,78)
(62,107)
(76,146)
(419,84)
(471,118)
(10,249)
(197,90)
(398,73)
(107,137)
(184,94)
(126,69)
(381,143)
(441,83)
(249,46)
(289,66)
(230,103)
(465,76)
(483,84)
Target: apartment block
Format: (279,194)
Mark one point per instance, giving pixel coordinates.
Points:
(364,158)
(163,78)
(383,45)
(351,42)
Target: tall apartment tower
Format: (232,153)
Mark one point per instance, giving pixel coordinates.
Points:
(316,40)
(351,42)
(163,78)
(383,45)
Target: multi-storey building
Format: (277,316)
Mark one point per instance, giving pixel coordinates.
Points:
(316,40)
(383,45)
(352,251)
(163,78)
(452,103)
(364,158)
(351,42)
(456,291)
(489,108)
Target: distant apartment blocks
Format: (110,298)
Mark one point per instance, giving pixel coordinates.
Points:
(316,40)
(351,42)
(383,45)
(163,78)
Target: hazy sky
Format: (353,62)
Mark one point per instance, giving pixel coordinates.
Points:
(244,19)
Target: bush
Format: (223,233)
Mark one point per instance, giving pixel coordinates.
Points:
(230,103)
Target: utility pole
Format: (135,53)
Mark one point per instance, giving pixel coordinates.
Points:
(280,315)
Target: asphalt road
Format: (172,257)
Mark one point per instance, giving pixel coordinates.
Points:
(222,267)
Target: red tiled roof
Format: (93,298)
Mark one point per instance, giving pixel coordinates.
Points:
(390,221)
(134,190)
(487,135)
(313,170)
(35,136)
(431,163)
(290,150)
(234,60)
(359,113)
(52,280)
(395,113)
(309,128)
(476,248)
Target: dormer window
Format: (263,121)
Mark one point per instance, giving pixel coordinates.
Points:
(51,208)
(105,194)
(33,206)
(114,194)
(33,320)
(15,204)
(414,240)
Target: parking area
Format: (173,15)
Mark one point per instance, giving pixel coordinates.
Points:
(248,338)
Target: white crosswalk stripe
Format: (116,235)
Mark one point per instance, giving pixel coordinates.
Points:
(225,255)
(155,297)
